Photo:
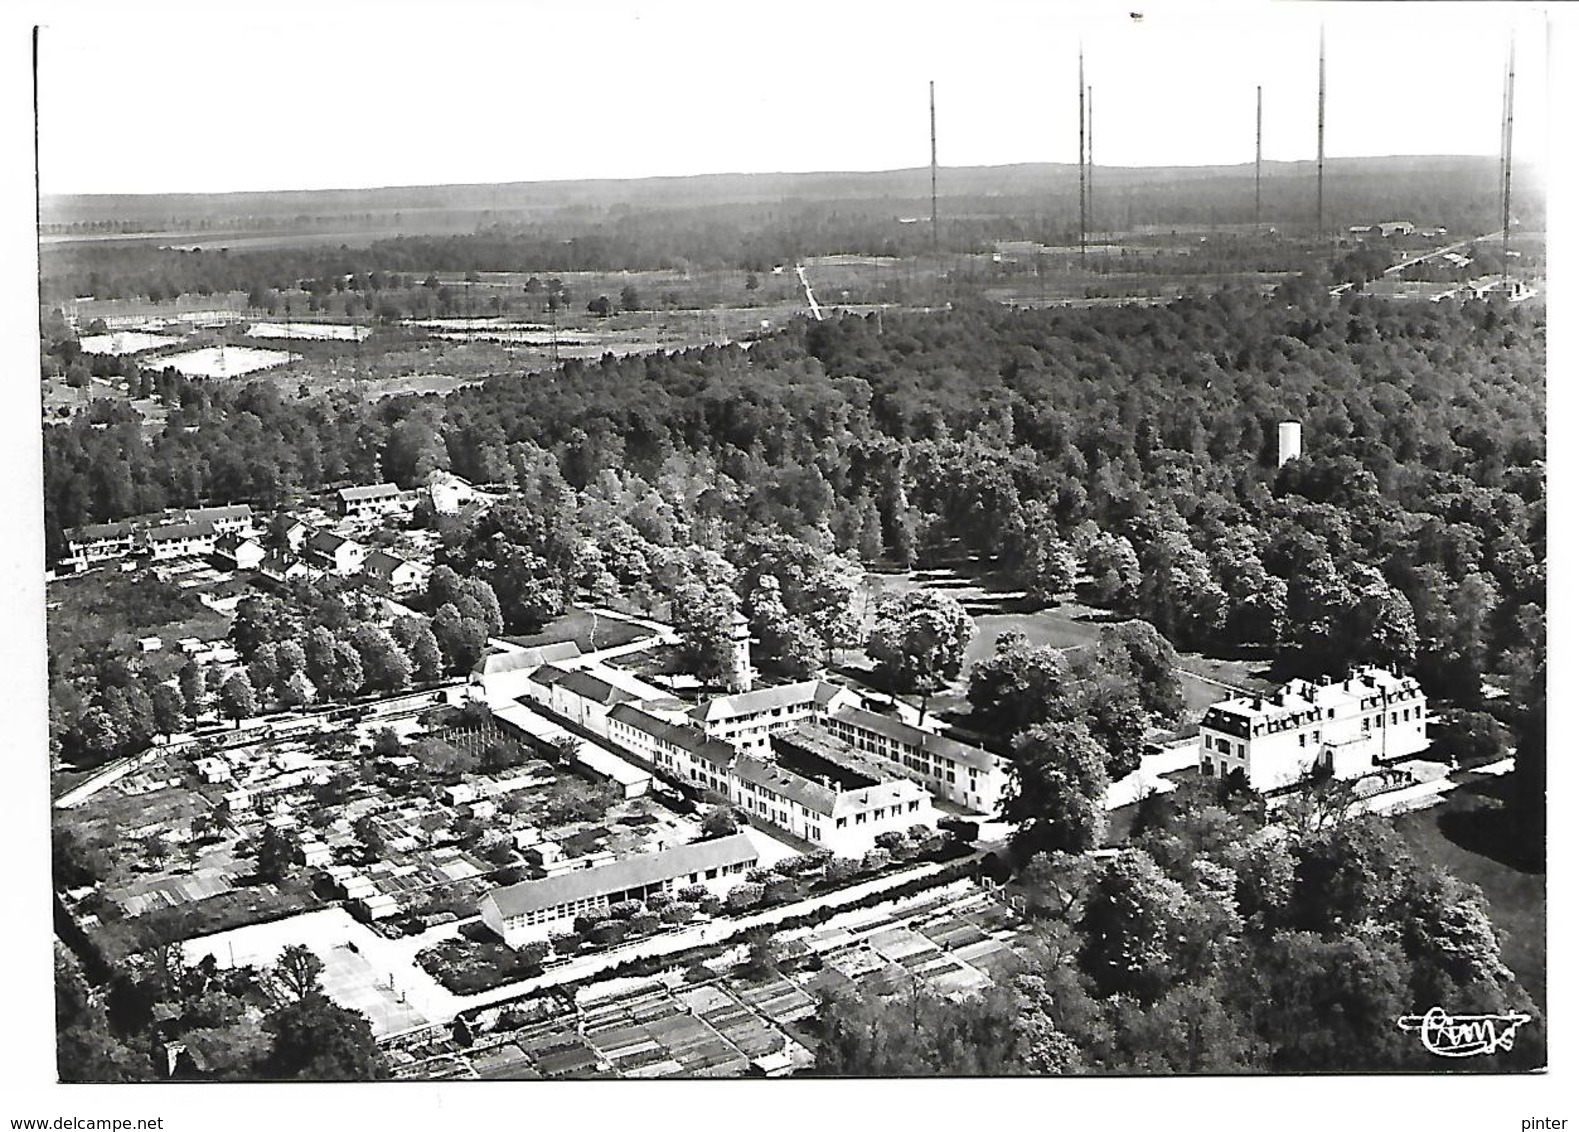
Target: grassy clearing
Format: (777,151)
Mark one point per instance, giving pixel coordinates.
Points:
(588,631)
(1516,899)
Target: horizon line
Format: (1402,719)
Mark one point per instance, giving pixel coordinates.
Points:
(641,178)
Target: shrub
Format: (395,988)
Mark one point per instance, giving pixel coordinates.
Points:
(788,867)
(710,905)
(590,920)
(565,943)
(533,954)
(745,895)
(680,912)
(920,832)
(609,932)
(758,876)
(698,972)
(644,923)
(876,858)
(693,893)
(841,869)
(658,901)
(625,909)
(891,840)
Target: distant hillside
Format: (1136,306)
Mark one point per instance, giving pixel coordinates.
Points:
(432,207)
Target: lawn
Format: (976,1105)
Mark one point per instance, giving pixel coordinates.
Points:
(589,631)
(1516,899)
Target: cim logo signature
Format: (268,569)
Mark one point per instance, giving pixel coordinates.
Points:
(1463,1035)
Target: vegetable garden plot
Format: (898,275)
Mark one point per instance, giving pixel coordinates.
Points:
(505,1063)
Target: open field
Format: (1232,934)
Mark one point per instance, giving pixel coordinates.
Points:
(1069,625)
(224,361)
(1516,900)
(590,632)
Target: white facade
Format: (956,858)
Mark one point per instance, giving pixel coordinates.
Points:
(182,540)
(535,909)
(1288,442)
(955,772)
(1346,726)
(747,721)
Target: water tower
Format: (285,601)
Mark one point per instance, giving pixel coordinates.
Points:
(1287,442)
(738,677)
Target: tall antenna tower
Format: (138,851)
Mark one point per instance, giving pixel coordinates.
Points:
(932,111)
(1091,147)
(1507,158)
(1258,157)
(1321,129)
(1082,155)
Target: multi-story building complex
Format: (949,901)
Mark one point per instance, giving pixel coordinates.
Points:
(747,720)
(1345,727)
(953,771)
(534,909)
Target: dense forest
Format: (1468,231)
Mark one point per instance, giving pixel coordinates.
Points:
(1131,448)
(1213,943)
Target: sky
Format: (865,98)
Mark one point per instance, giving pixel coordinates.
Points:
(177,97)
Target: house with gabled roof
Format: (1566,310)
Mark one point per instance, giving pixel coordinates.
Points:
(392,572)
(376,499)
(335,553)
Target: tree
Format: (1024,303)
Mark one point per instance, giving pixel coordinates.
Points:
(462,643)
(385,668)
(297,691)
(919,642)
(1021,685)
(169,709)
(601,306)
(1129,927)
(316,1040)
(277,853)
(420,645)
(441,759)
(297,970)
(369,837)
(704,617)
(719,822)
(236,698)
(1137,651)
(630,298)
(193,693)
(76,859)
(1114,570)
(1057,786)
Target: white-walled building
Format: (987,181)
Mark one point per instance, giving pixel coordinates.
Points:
(100,542)
(393,573)
(239,552)
(377,499)
(235,519)
(335,553)
(748,720)
(1347,727)
(181,540)
(534,909)
(576,695)
(956,772)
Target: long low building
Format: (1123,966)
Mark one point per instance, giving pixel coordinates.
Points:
(534,909)
(953,771)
